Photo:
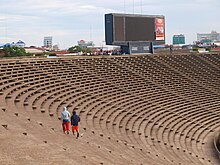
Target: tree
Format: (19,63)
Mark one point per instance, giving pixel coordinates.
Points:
(87,50)
(14,51)
(75,49)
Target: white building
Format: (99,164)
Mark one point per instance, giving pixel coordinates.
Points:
(34,50)
(20,44)
(85,44)
(213,36)
(48,42)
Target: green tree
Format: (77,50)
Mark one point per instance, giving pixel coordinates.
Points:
(14,51)
(87,50)
(75,49)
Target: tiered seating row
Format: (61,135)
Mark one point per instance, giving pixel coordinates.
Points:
(162,108)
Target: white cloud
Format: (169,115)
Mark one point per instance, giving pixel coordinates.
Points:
(56,7)
(3,18)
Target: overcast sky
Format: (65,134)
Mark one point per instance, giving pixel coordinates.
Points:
(69,21)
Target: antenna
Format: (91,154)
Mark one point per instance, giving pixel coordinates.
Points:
(124,7)
(133,6)
(141,6)
(90,28)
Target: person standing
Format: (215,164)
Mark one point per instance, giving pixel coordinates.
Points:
(171,49)
(65,117)
(75,119)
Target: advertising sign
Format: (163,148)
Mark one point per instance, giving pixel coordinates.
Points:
(159,29)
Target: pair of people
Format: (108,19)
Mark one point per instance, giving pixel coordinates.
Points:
(66,119)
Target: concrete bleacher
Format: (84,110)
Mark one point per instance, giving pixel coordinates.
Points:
(137,109)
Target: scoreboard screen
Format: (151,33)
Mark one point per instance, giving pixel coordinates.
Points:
(123,28)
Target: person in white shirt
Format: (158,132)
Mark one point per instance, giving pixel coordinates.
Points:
(65,118)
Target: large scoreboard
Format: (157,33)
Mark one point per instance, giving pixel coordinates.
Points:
(121,29)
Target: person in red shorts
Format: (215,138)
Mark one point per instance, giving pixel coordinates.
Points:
(65,118)
(75,119)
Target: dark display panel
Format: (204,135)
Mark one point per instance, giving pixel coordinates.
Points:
(119,28)
(139,29)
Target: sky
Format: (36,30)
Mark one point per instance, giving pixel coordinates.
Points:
(69,21)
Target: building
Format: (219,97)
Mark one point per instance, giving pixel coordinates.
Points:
(20,44)
(48,42)
(178,39)
(85,44)
(56,47)
(213,36)
(34,50)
